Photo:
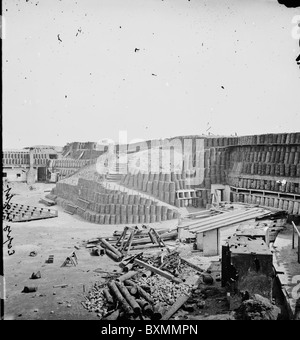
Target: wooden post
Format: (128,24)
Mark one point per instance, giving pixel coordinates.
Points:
(130,299)
(107,295)
(146,308)
(129,242)
(293,237)
(144,294)
(133,290)
(129,283)
(295,229)
(127,276)
(110,247)
(112,255)
(127,268)
(115,291)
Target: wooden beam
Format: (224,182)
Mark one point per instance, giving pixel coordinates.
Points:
(115,291)
(157,271)
(224,218)
(127,276)
(107,295)
(130,299)
(177,304)
(113,255)
(192,265)
(220,224)
(110,247)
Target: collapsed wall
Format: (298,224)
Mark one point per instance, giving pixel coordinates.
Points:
(98,204)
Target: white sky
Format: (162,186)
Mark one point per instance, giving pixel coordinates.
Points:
(93,83)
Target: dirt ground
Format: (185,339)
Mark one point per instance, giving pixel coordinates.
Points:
(54,236)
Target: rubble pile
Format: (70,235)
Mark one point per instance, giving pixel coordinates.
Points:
(165,284)
(172,263)
(257,308)
(95,300)
(155,294)
(163,290)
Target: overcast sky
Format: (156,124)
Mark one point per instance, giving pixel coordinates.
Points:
(71,72)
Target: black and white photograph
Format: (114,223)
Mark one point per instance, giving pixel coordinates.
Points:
(150,163)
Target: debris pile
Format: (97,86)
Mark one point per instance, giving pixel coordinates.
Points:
(132,238)
(163,290)
(257,308)
(167,284)
(95,300)
(172,263)
(150,287)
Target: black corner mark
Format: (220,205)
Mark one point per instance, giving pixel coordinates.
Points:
(290,3)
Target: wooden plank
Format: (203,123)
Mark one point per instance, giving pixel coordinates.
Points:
(177,304)
(127,276)
(225,223)
(157,271)
(225,218)
(190,264)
